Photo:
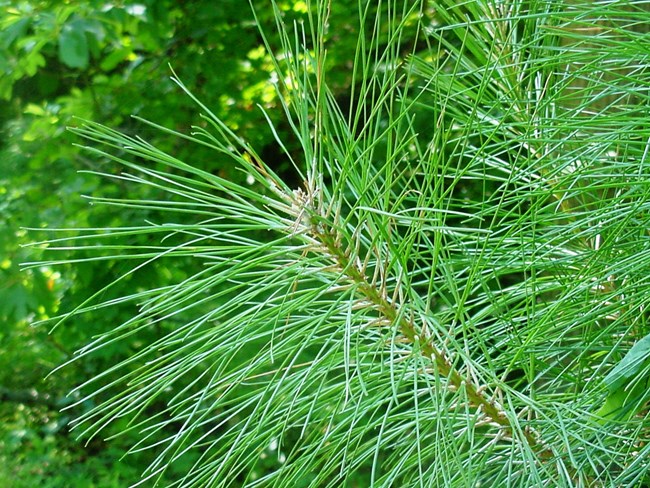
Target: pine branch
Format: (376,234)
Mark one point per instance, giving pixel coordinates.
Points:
(324,239)
(483,177)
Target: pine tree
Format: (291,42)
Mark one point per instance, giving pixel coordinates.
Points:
(450,297)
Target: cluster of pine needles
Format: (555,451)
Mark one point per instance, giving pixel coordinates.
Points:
(454,296)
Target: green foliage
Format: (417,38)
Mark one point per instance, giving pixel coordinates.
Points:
(60,60)
(627,383)
(630,366)
(441,281)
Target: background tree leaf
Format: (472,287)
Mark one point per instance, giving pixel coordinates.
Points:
(73,46)
(14,31)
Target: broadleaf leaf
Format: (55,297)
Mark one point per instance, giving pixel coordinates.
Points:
(629,366)
(73,47)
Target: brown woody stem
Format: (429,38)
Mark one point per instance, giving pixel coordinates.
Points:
(329,239)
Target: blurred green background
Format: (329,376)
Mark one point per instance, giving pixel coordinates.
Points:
(106,61)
